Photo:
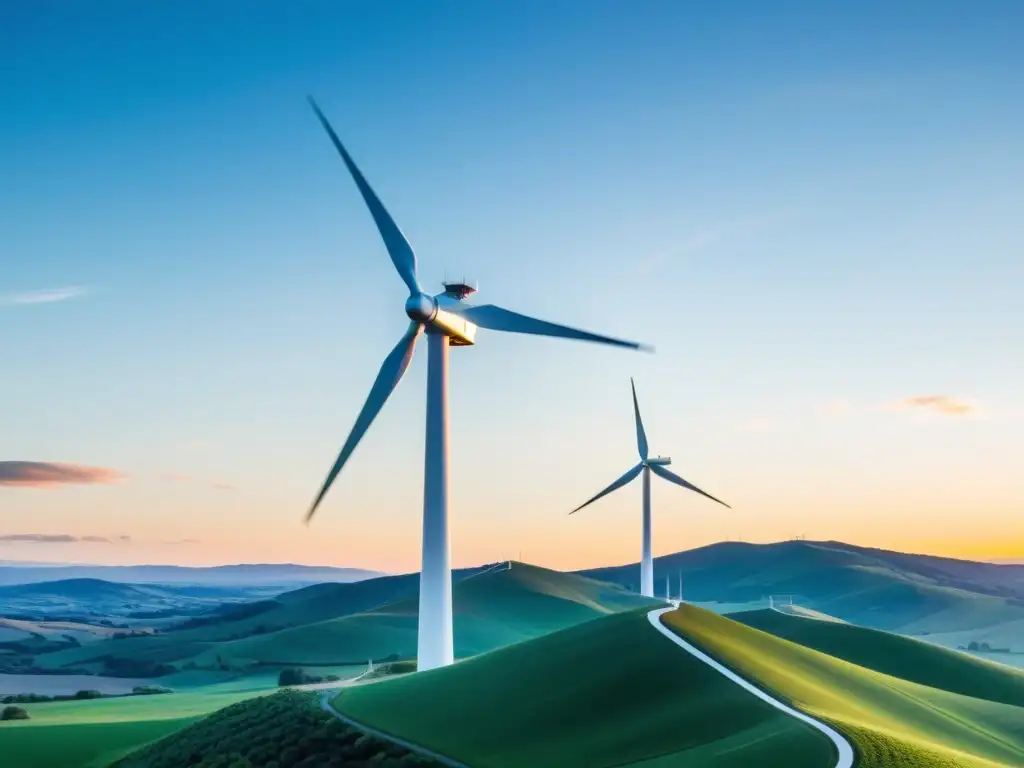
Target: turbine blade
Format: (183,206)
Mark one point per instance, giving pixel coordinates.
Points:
(498,319)
(391,373)
(672,477)
(398,247)
(626,478)
(641,436)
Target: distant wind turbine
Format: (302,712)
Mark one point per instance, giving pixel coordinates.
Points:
(646,466)
(447,321)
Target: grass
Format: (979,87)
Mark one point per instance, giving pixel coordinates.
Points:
(893,722)
(610,692)
(91,734)
(896,655)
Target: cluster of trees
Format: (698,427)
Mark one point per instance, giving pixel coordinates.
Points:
(37,698)
(284,730)
(126,667)
(974,645)
(298,676)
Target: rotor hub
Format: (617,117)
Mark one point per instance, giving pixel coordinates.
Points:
(421,308)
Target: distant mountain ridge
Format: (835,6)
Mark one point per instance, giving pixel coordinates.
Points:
(252,575)
(951,601)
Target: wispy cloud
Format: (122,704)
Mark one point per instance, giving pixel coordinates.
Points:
(944,405)
(44,474)
(44,296)
(715,234)
(62,538)
(178,477)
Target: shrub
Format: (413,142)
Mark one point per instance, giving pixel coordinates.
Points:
(285,730)
(13,713)
(298,676)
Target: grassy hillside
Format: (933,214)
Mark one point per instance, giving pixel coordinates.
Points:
(333,624)
(285,729)
(913,594)
(895,655)
(894,723)
(611,692)
(490,611)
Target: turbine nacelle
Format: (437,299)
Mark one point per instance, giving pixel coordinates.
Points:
(421,308)
(658,461)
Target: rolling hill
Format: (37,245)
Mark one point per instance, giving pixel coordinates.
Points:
(613,692)
(911,594)
(895,655)
(893,721)
(340,624)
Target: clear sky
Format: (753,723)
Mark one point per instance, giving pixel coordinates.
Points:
(812,211)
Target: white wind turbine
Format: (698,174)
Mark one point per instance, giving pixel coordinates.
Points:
(447,321)
(647,465)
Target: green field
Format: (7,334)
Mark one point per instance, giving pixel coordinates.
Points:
(92,734)
(893,722)
(609,692)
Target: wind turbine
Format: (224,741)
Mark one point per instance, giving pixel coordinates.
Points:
(657,465)
(447,321)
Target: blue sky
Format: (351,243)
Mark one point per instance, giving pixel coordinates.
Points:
(813,213)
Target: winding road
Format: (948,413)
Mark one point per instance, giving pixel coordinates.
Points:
(845,750)
(840,742)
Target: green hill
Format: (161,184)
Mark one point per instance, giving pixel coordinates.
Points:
(911,594)
(893,722)
(895,655)
(611,692)
(614,692)
(490,611)
(338,624)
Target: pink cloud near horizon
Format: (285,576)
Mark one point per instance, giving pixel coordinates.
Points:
(46,474)
(942,404)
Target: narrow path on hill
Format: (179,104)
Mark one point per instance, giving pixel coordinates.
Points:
(846,758)
(325,703)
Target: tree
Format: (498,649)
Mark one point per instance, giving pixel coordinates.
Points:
(13,713)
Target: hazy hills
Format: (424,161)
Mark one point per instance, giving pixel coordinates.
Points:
(238,629)
(340,624)
(286,575)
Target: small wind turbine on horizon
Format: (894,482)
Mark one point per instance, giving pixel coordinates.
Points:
(447,321)
(658,465)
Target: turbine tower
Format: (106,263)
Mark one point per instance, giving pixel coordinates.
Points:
(658,465)
(448,321)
